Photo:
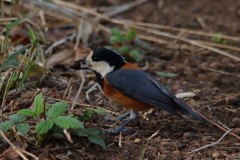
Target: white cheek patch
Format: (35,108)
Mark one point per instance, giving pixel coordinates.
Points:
(101,67)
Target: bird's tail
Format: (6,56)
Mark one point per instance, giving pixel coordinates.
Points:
(186,109)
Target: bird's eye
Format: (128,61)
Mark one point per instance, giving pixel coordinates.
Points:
(95,58)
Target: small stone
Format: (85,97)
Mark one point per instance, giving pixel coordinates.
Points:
(177,153)
(215,65)
(204,65)
(166,152)
(231,100)
(164,144)
(182,146)
(187,135)
(236,121)
(175,88)
(236,131)
(216,155)
(137,140)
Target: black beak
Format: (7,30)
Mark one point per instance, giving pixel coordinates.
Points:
(83,61)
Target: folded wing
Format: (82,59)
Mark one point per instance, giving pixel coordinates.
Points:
(140,86)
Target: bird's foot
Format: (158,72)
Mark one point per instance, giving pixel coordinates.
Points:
(116,131)
(119,118)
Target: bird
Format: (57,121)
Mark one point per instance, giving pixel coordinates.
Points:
(131,87)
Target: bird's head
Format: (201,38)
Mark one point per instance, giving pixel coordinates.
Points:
(103,61)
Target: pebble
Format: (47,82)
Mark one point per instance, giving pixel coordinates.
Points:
(182,146)
(164,144)
(137,140)
(187,135)
(236,131)
(231,100)
(166,152)
(216,155)
(236,121)
(215,65)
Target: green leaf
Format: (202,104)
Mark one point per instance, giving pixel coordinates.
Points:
(166,74)
(9,26)
(217,38)
(123,49)
(38,101)
(136,55)
(18,117)
(116,33)
(44,126)
(82,133)
(57,109)
(92,131)
(130,36)
(97,139)
(55,128)
(68,122)
(141,44)
(84,117)
(27,112)
(45,40)
(87,132)
(23,128)
(5,126)
(32,36)
(115,39)
(89,111)
(14,77)
(100,112)
(58,135)
(12,57)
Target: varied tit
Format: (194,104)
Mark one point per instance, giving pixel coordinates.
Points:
(131,87)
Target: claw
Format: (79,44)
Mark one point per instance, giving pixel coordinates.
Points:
(116,131)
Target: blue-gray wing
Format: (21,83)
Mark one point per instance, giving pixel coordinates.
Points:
(140,86)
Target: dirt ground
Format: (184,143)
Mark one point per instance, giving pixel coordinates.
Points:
(177,138)
(214,77)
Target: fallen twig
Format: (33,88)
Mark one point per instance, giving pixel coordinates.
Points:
(217,125)
(196,150)
(222,72)
(143,151)
(16,149)
(144,24)
(79,90)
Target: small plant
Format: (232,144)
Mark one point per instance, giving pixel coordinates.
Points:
(17,120)
(128,45)
(219,39)
(53,123)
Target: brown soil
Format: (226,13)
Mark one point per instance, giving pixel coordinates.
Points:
(214,75)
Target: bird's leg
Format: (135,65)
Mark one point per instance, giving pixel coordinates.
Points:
(120,129)
(119,118)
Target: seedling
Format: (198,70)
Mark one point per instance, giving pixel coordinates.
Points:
(54,123)
(128,45)
(219,39)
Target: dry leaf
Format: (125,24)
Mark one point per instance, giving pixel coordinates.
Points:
(61,58)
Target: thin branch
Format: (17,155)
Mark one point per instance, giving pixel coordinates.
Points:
(209,145)
(222,72)
(79,90)
(144,24)
(13,147)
